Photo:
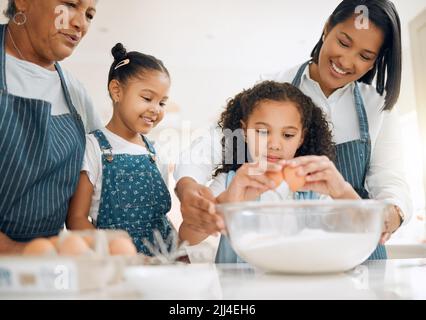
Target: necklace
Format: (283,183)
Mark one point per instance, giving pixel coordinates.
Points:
(14,44)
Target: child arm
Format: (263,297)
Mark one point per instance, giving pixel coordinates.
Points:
(78,212)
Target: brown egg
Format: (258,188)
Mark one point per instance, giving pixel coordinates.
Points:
(294,181)
(277,177)
(122,247)
(39,247)
(55,241)
(90,241)
(73,245)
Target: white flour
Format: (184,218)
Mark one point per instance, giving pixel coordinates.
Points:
(311,251)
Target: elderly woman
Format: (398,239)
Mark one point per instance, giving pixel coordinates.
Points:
(44,115)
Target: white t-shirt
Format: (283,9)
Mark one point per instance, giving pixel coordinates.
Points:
(283,192)
(28,80)
(385,179)
(92,163)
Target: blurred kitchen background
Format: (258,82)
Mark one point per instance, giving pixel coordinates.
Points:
(215,48)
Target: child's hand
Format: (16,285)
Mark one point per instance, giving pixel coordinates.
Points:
(322,177)
(249,183)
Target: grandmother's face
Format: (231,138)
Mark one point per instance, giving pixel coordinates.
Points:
(56,27)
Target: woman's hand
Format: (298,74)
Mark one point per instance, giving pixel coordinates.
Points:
(249,183)
(322,177)
(393,221)
(198,207)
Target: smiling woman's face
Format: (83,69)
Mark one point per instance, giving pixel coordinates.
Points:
(347,54)
(51,37)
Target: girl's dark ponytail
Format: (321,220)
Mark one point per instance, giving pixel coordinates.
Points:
(119,52)
(132,64)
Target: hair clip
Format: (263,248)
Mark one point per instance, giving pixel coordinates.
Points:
(122,63)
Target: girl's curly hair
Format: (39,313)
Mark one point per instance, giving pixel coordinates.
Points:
(317,133)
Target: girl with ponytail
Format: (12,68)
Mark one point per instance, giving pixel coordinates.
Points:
(120,183)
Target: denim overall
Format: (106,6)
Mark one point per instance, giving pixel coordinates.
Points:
(134,196)
(353,157)
(40,163)
(225,252)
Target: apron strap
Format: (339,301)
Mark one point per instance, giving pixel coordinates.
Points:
(66,91)
(298,78)
(362,114)
(3,86)
(102,140)
(149,144)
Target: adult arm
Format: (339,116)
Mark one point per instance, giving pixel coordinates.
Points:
(8,246)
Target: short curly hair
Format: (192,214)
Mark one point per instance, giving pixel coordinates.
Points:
(318,137)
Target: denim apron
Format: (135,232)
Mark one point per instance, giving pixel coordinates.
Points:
(225,252)
(40,163)
(134,196)
(353,157)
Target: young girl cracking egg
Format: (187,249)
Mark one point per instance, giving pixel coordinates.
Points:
(283,136)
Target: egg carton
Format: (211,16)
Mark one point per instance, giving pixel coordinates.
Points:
(69,271)
(95,269)
(58,275)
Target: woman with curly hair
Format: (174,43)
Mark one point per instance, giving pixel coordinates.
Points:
(273,125)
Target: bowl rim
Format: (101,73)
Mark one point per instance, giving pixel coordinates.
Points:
(291,204)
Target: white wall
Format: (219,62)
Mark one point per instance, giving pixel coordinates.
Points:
(214,48)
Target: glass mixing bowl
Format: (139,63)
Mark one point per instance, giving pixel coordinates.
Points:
(304,236)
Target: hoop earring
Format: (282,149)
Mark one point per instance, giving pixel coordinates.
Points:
(22,15)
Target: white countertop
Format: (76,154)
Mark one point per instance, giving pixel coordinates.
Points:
(391,279)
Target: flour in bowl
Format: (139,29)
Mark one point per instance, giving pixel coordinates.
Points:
(310,251)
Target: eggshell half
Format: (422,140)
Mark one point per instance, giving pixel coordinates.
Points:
(294,181)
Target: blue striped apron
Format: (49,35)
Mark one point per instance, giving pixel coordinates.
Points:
(41,161)
(225,252)
(353,157)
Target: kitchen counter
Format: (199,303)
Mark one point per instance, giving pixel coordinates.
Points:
(391,279)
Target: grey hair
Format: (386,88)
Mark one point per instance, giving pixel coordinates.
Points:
(10,10)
